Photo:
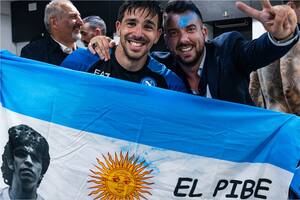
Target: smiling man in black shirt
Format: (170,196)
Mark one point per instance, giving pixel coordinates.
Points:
(139,27)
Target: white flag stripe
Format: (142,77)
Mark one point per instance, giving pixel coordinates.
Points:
(74,152)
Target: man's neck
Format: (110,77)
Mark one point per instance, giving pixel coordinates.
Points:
(69,44)
(127,63)
(22,193)
(191,72)
(192,77)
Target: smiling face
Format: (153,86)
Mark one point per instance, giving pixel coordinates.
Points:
(138,31)
(185,37)
(67,26)
(27,166)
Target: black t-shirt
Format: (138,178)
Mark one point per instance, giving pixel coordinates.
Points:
(112,68)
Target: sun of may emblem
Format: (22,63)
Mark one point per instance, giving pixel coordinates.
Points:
(121,177)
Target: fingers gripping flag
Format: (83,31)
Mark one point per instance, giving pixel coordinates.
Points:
(111,139)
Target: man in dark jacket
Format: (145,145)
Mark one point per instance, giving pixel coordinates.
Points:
(220,68)
(62,21)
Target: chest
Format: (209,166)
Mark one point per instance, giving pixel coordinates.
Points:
(144,76)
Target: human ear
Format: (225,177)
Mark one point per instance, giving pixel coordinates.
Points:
(10,164)
(98,31)
(204,32)
(53,22)
(118,26)
(166,40)
(158,34)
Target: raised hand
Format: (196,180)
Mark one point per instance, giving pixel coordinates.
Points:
(101,46)
(280,21)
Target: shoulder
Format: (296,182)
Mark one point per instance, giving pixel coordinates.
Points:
(81,60)
(173,81)
(228,38)
(163,57)
(4,194)
(156,66)
(39,197)
(37,43)
(101,65)
(36,47)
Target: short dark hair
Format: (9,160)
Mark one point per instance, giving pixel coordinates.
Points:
(23,135)
(96,22)
(182,6)
(152,7)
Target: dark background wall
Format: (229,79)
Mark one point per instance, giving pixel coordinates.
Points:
(221,15)
(28,25)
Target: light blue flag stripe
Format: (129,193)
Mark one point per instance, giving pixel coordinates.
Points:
(150,116)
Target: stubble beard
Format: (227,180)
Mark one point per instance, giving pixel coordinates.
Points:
(76,36)
(131,55)
(191,63)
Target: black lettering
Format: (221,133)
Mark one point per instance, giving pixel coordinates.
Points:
(220,186)
(235,183)
(259,187)
(193,190)
(247,189)
(179,186)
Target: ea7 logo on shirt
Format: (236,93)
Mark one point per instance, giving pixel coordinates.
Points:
(148,81)
(101,73)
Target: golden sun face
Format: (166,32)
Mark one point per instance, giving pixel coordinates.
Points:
(120,178)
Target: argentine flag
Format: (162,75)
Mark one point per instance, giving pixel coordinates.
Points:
(112,139)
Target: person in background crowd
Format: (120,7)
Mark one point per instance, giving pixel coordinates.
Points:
(92,26)
(25,161)
(219,68)
(62,21)
(277,86)
(139,27)
(81,59)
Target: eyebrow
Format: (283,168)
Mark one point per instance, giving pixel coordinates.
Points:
(171,29)
(148,21)
(191,25)
(73,14)
(130,19)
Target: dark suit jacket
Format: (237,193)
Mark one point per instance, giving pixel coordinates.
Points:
(45,50)
(229,60)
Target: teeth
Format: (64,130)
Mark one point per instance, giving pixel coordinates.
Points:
(136,44)
(184,49)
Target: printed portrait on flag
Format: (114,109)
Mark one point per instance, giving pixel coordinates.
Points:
(25,160)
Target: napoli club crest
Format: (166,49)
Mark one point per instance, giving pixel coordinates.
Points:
(148,81)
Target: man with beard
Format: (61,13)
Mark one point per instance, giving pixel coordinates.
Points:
(219,68)
(62,21)
(82,59)
(25,161)
(92,26)
(139,27)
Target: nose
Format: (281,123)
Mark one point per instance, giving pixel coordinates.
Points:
(28,160)
(138,31)
(79,21)
(184,37)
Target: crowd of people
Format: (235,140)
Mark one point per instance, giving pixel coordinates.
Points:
(219,68)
